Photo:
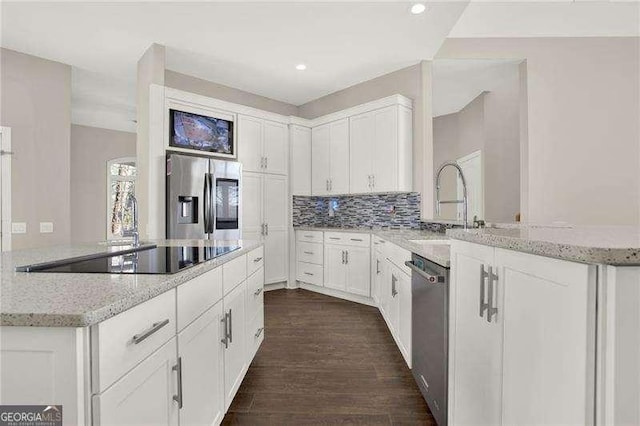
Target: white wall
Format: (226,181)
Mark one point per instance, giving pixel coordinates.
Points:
(583,124)
(91,149)
(35,98)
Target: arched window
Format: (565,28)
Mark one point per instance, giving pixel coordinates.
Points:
(121,181)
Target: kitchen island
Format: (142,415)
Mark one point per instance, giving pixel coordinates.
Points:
(131,348)
(544,325)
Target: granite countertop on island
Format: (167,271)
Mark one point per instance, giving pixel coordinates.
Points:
(437,253)
(80,300)
(608,245)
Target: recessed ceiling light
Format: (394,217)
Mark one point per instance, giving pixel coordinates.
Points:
(301,67)
(418,8)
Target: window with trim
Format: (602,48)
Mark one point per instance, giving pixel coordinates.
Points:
(121,182)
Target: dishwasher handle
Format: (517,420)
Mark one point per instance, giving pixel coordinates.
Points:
(433,279)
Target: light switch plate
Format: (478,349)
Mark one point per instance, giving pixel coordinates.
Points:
(46,227)
(19,228)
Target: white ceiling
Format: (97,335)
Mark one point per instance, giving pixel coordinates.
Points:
(254,46)
(456,82)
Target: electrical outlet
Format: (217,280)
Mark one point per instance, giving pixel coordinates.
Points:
(46,227)
(19,228)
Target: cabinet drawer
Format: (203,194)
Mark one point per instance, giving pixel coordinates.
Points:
(397,255)
(347,238)
(198,295)
(310,252)
(309,273)
(255,293)
(233,273)
(309,236)
(255,334)
(255,260)
(121,342)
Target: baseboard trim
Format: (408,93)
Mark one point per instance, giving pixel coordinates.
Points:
(274,286)
(339,294)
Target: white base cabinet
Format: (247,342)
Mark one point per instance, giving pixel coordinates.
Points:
(145,395)
(234,341)
(522,338)
(202,369)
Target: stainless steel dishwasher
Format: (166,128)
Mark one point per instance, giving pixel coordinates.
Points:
(430,328)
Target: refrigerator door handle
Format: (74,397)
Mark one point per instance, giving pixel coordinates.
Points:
(206,207)
(212,209)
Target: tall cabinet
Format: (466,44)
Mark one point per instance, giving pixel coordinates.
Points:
(265,211)
(263,151)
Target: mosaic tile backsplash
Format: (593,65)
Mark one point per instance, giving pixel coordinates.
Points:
(388,210)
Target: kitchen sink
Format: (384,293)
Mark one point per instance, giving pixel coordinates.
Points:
(431,242)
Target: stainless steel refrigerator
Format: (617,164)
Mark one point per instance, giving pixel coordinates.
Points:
(203,198)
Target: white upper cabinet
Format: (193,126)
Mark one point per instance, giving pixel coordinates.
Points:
(275,148)
(250,143)
(300,160)
(380,150)
(330,158)
(262,145)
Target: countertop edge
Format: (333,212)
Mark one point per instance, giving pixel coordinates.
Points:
(103,313)
(556,250)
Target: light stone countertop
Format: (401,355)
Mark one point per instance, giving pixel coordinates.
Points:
(609,245)
(437,253)
(80,300)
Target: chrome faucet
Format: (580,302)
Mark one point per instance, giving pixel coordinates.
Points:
(464,201)
(132,203)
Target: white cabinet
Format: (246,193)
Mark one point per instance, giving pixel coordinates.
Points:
(262,145)
(200,352)
(346,268)
(144,396)
(380,150)
(234,337)
(330,158)
(335,272)
(522,338)
(300,170)
(403,285)
(265,204)
(357,261)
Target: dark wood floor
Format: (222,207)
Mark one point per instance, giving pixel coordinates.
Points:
(326,361)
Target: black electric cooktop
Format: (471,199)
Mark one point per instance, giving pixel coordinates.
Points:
(151,260)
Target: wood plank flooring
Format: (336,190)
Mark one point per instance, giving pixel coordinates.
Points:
(326,361)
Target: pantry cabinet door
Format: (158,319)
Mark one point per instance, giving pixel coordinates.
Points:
(144,396)
(384,149)
(201,353)
(339,151)
(275,147)
(252,221)
(250,143)
(475,345)
(275,204)
(361,147)
(320,159)
(549,334)
(358,278)
(335,271)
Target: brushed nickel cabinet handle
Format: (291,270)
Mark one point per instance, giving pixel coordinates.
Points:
(308,273)
(257,259)
(377,266)
(307,252)
(178,369)
(259,332)
(357,239)
(483,276)
(491,309)
(137,338)
(257,292)
(393,285)
(225,339)
(230,327)
(346,257)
